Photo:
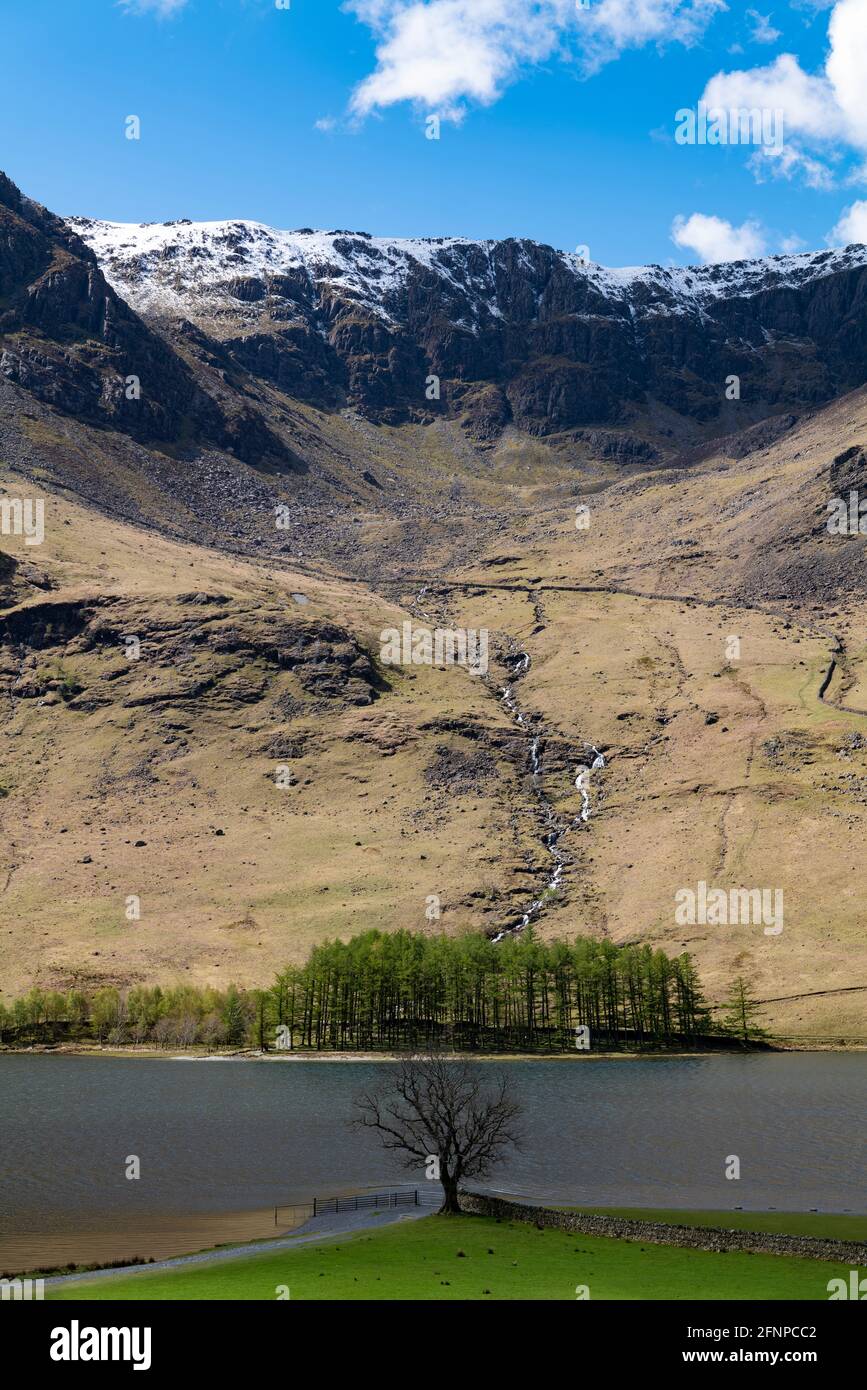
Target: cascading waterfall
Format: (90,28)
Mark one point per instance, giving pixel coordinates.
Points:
(519,661)
(417,601)
(581,782)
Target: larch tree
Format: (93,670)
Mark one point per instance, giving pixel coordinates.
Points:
(741,1011)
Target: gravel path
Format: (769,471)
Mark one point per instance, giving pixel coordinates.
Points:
(316,1229)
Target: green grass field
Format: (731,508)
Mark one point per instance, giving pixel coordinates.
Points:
(422,1260)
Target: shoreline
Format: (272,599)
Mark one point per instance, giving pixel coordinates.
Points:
(640,1225)
(155,1237)
(299,1056)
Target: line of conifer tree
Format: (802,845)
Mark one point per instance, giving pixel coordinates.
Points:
(390,991)
(401,990)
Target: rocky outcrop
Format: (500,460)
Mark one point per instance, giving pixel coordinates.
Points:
(848,472)
(329,662)
(70,340)
(460,770)
(39,626)
(8,569)
(228,652)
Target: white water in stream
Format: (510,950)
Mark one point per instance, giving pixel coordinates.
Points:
(519,662)
(556,830)
(581,781)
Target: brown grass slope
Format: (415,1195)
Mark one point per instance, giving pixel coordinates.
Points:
(156,777)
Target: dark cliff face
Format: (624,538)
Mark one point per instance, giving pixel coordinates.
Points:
(558,355)
(516,332)
(493,334)
(68,338)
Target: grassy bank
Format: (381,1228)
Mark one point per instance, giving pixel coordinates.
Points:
(475,1258)
(205,1054)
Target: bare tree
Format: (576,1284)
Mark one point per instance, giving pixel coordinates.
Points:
(454,1112)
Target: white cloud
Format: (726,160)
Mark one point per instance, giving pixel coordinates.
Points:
(440,54)
(612,26)
(163,9)
(847,63)
(713,239)
(789,162)
(824,111)
(326,124)
(763,31)
(807,102)
(851,227)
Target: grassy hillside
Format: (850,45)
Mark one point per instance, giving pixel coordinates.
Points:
(719,768)
(156,777)
(412,783)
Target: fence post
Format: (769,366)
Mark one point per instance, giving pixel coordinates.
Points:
(314,1206)
(416,1197)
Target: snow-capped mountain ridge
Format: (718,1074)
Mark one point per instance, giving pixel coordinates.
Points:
(198,269)
(228,327)
(513,333)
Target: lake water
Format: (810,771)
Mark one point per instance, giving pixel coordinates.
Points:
(228,1136)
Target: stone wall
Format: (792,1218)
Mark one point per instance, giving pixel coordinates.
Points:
(656,1233)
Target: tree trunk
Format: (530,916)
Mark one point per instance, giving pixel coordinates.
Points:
(451,1205)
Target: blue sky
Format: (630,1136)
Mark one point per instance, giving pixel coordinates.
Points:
(557,119)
